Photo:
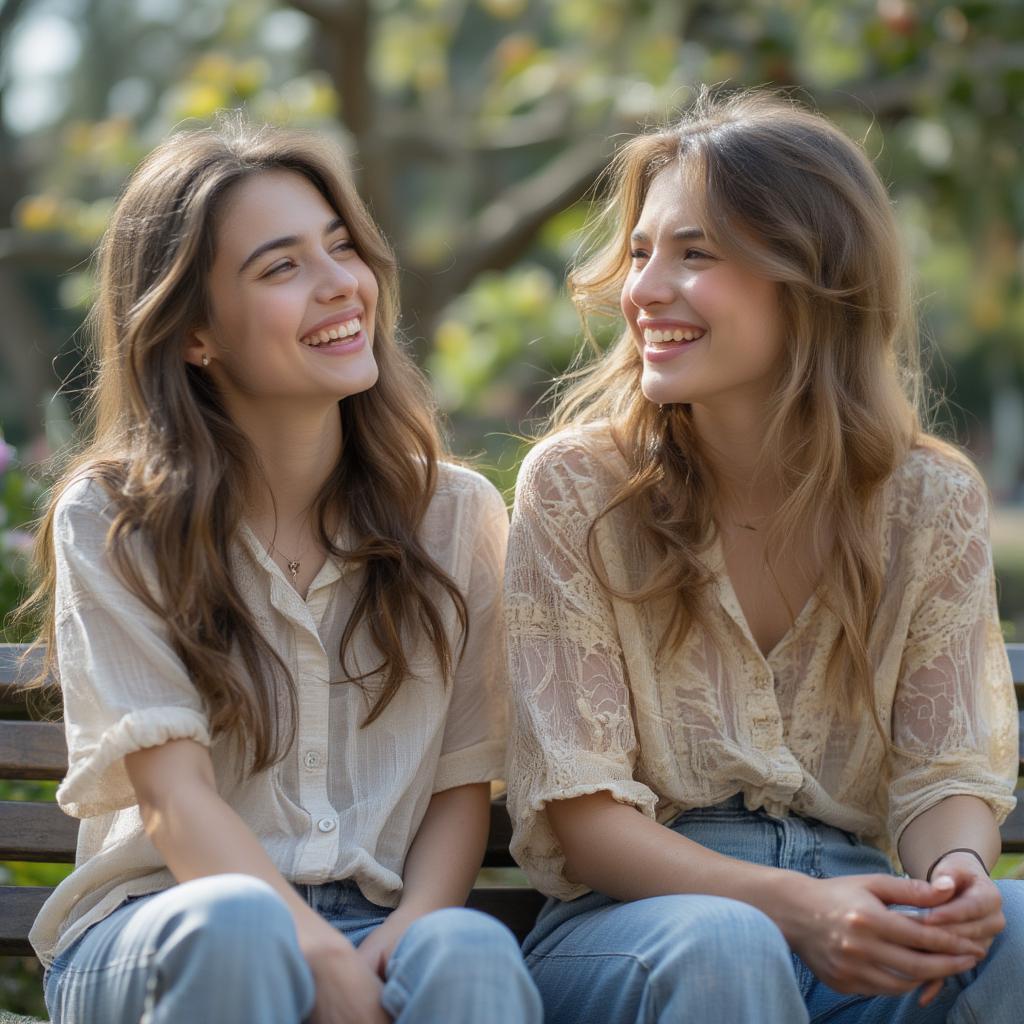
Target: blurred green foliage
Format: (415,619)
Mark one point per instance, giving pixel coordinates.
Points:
(18,497)
(455,110)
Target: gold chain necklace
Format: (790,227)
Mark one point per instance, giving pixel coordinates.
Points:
(293,564)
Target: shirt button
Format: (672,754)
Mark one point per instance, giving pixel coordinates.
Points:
(327,824)
(311,759)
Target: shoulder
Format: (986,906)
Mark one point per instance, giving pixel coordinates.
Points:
(83,508)
(464,498)
(583,460)
(935,486)
(457,484)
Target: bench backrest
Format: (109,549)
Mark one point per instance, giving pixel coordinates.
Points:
(38,831)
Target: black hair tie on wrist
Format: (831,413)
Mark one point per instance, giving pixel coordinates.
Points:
(959,849)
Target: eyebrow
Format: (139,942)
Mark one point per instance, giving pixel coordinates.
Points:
(679,235)
(284,242)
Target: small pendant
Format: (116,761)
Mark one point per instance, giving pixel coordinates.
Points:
(293,568)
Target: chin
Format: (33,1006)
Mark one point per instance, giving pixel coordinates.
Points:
(361,381)
(663,392)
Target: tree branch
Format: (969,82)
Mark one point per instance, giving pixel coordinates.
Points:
(330,15)
(502,231)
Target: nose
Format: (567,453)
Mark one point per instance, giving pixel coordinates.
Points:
(335,279)
(650,285)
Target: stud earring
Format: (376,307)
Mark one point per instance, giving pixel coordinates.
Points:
(206,359)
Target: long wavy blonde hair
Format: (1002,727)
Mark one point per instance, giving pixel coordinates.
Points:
(789,195)
(176,466)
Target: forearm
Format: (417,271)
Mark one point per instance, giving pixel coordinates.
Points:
(445,856)
(198,834)
(956,822)
(616,850)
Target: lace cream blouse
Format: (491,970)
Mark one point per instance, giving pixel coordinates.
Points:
(345,802)
(598,709)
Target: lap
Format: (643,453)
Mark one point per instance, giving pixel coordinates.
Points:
(198,938)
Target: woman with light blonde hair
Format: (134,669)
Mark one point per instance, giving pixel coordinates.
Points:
(274,611)
(753,633)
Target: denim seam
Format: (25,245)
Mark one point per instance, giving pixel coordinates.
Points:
(590,956)
(836,1008)
(395,983)
(970,1017)
(133,959)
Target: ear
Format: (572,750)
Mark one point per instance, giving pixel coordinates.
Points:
(197,345)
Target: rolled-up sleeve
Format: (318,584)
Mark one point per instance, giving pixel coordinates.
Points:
(124,688)
(573,731)
(473,746)
(955,714)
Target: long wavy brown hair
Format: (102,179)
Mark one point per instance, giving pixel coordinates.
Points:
(788,194)
(159,440)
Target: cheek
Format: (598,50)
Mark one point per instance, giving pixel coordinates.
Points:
(628,308)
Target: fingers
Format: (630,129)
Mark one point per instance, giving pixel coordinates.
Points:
(923,966)
(982,931)
(912,933)
(929,992)
(914,892)
(977,902)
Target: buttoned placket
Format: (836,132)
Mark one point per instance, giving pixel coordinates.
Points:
(317,853)
(764,719)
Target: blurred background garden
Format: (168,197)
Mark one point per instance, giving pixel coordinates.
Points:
(478,128)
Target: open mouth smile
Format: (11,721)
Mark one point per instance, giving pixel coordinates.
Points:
(341,332)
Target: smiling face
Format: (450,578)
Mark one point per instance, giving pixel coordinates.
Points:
(292,303)
(708,329)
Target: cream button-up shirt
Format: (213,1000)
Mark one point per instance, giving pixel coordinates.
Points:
(346,801)
(598,708)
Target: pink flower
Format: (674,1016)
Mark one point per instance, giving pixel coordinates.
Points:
(8,456)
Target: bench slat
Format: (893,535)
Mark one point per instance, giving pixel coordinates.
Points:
(20,905)
(36,832)
(516,907)
(1015,652)
(32,750)
(1012,830)
(43,832)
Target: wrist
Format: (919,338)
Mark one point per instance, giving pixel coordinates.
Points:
(317,939)
(964,855)
(785,899)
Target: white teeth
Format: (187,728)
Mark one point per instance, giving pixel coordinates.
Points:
(334,333)
(654,337)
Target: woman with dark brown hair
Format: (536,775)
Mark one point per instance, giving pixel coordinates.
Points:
(274,612)
(752,621)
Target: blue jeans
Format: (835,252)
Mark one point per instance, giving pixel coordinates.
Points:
(675,959)
(222,949)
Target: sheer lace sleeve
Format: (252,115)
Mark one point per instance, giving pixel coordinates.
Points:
(573,730)
(954,716)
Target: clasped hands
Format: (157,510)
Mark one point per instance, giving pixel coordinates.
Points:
(854,940)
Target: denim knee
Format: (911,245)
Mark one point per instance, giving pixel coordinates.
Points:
(1009,943)
(221,948)
(460,965)
(721,933)
(219,912)
(461,936)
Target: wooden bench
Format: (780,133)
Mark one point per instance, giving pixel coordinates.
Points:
(35,831)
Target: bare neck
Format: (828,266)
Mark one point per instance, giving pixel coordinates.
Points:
(732,438)
(296,451)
